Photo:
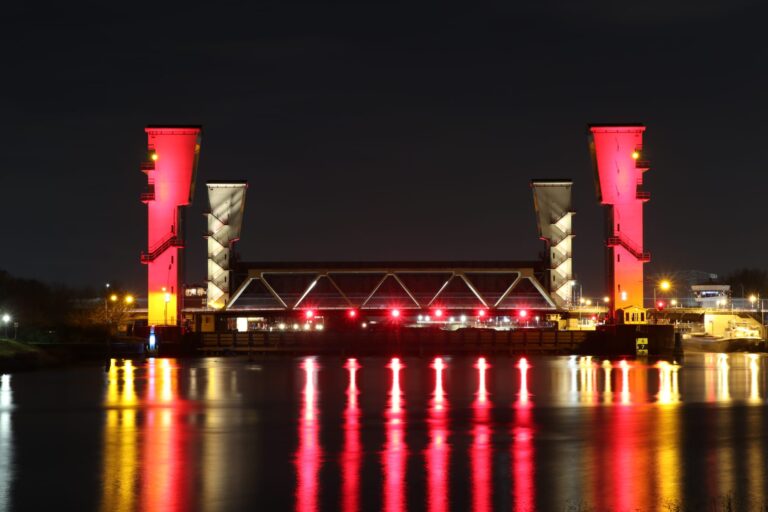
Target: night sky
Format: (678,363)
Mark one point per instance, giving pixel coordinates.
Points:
(384,131)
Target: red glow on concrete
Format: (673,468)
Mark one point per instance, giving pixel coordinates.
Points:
(309,453)
(352,454)
(171,179)
(618,177)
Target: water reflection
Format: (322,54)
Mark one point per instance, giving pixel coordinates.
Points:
(438,451)
(144,455)
(522,445)
(395,450)
(120,439)
(164,483)
(754,378)
(481,449)
(309,453)
(501,433)
(6,442)
(351,458)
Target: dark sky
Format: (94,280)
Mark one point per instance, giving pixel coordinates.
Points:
(381,131)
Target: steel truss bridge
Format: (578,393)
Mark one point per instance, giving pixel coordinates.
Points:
(386,285)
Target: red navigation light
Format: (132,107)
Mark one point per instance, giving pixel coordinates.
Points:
(395,313)
(523,313)
(481,313)
(309,313)
(352,313)
(660,304)
(438,313)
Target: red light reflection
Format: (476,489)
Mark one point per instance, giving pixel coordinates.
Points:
(309,452)
(438,451)
(522,445)
(165,485)
(351,457)
(395,450)
(481,450)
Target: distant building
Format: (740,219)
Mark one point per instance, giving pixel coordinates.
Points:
(711,295)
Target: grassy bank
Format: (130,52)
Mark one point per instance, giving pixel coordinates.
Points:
(15,356)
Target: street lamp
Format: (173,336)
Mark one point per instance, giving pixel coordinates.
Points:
(664,285)
(129,299)
(167,300)
(6,320)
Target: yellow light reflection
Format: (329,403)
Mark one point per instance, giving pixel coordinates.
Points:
(669,390)
(120,439)
(668,434)
(723,368)
(625,396)
(574,373)
(754,378)
(607,391)
(588,374)
(755,458)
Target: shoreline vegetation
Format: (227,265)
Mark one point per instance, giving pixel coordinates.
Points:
(17,356)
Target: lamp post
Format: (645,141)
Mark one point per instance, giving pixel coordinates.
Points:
(167,300)
(6,320)
(664,285)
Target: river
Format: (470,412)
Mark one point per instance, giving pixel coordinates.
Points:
(452,433)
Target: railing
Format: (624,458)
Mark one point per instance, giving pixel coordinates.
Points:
(158,249)
(149,195)
(642,164)
(642,194)
(627,244)
(558,235)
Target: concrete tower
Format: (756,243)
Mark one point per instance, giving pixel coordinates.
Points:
(554,218)
(225,218)
(171,168)
(617,152)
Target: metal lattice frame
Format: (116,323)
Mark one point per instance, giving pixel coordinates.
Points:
(261,275)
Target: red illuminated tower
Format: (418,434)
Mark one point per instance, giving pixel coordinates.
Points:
(617,152)
(171,167)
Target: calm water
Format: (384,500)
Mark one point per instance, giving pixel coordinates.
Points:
(558,433)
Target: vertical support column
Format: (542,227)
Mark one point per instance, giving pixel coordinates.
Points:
(554,218)
(617,153)
(225,219)
(171,168)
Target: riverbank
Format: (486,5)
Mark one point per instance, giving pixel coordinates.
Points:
(18,356)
